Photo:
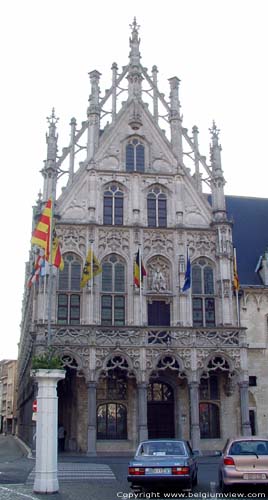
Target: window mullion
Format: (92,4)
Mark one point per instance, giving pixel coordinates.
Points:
(135,159)
(113,209)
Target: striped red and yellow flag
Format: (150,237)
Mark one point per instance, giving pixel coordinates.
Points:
(235,278)
(57,259)
(40,236)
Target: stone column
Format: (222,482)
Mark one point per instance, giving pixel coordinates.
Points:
(91,427)
(46,466)
(245,425)
(194,415)
(142,411)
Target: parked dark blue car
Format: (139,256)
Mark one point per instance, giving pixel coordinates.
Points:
(161,462)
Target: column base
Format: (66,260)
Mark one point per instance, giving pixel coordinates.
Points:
(143,433)
(246,429)
(46,485)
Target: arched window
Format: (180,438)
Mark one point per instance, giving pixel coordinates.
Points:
(113,291)
(157,208)
(209,407)
(203,294)
(113,204)
(135,156)
(68,293)
(112,421)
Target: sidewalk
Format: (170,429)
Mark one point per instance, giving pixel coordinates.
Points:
(80,477)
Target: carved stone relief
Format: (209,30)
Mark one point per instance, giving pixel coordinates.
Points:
(114,240)
(201,244)
(157,242)
(73,238)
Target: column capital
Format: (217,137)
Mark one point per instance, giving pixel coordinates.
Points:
(244,384)
(194,384)
(91,384)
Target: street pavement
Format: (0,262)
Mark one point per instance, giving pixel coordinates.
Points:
(92,478)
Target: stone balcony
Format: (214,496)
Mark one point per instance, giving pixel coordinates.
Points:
(136,336)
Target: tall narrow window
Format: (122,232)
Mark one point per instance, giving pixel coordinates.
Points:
(134,156)
(203,294)
(113,204)
(157,208)
(113,291)
(68,293)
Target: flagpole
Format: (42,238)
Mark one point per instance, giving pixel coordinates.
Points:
(92,279)
(236,291)
(50,288)
(140,278)
(44,299)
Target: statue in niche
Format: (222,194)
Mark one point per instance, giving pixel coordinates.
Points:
(159,282)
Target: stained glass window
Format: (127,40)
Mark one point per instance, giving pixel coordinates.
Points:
(112,421)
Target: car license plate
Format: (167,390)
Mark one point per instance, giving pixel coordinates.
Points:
(254,476)
(157,470)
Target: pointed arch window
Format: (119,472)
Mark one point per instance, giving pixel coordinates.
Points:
(113,291)
(203,294)
(68,293)
(113,206)
(135,156)
(157,208)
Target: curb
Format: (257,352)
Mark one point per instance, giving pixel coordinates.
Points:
(25,448)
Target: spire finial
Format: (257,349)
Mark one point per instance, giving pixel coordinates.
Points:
(214,132)
(52,119)
(135,28)
(134,43)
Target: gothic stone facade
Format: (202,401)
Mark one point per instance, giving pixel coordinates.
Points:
(152,361)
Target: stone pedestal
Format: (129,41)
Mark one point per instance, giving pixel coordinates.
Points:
(46,467)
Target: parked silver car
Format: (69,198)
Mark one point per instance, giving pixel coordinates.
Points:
(244,460)
(161,462)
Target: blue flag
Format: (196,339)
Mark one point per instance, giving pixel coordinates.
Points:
(187,276)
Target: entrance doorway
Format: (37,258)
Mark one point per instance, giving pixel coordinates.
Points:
(158,313)
(160,411)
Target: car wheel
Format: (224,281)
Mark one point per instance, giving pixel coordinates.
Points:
(195,479)
(223,487)
(189,484)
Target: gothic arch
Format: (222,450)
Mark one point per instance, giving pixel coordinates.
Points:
(115,360)
(119,184)
(159,185)
(167,361)
(218,361)
(71,359)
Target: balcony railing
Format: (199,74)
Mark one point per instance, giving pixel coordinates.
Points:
(174,337)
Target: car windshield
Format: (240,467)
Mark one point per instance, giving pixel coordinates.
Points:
(249,448)
(161,449)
